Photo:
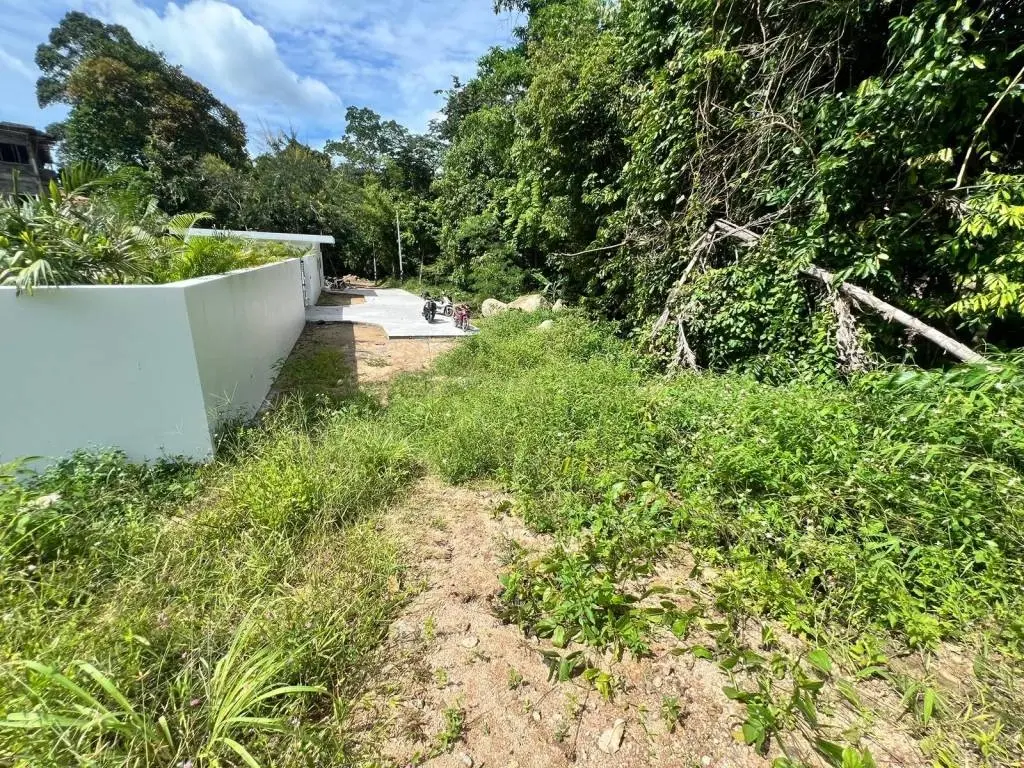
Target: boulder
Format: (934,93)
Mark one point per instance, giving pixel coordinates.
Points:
(546,326)
(492,307)
(534,302)
(558,306)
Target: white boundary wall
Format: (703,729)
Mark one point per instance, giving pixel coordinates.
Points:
(152,370)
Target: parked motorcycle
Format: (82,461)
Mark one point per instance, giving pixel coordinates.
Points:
(445,306)
(429,308)
(461,314)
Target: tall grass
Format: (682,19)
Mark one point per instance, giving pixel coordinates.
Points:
(224,617)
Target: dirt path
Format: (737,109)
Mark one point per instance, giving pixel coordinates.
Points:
(452,660)
(460,688)
(369,357)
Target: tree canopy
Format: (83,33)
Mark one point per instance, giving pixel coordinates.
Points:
(129,106)
(878,139)
(875,139)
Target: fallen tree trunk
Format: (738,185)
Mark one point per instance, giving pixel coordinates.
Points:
(861,296)
(896,315)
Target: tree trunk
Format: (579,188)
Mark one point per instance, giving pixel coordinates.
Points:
(852,357)
(893,314)
(859,295)
(684,354)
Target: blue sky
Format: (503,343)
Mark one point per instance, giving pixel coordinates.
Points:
(282,64)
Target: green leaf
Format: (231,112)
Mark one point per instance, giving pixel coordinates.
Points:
(820,660)
(241,751)
(753,733)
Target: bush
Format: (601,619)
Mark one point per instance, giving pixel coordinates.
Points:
(202,256)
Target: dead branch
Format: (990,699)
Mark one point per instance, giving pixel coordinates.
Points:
(896,315)
(861,296)
(684,353)
(697,248)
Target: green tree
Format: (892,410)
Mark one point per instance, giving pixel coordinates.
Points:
(129,106)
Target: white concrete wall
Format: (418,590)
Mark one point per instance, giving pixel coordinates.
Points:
(152,370)
(243,325)
(99,366)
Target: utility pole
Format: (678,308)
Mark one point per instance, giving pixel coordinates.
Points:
(398,228)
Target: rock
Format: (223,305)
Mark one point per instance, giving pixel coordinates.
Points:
(47,501)
(558,306)
(611,740)
(658,682)
(705,761)
(466,760)
(536,716)
(533,302)
(547,325)
(492,307)
(470,642)
(403,629)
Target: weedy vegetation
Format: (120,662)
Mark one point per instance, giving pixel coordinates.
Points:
(230,614)
(870,519)
(218,616)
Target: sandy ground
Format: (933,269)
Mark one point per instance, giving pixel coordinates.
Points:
(370,358)
(339,300)
(450,652)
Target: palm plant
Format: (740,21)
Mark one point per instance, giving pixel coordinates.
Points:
(64,237)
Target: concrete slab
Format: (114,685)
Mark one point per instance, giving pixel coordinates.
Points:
(395,310)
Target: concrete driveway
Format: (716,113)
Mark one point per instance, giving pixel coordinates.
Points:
(393,309)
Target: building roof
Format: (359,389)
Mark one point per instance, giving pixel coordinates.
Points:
(29,130)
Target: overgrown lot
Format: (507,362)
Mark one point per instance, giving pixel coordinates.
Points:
(231,613)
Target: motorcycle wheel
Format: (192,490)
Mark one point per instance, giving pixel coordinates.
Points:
(449,311)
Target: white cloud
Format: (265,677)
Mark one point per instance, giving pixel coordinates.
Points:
(234,56)
(391,55)
(18,66)
(281,63)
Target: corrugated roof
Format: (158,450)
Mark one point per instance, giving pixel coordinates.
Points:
(27,129)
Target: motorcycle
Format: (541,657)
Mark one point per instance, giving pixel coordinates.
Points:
(445,306)
(429,308)
(461,313)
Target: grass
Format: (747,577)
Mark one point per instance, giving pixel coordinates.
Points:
(872,519)
(874,522)
(166,615)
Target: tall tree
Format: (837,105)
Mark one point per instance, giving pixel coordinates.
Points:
(129,106)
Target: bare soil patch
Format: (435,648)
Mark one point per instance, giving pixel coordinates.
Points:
(450,653)
(365,355)
(339,299)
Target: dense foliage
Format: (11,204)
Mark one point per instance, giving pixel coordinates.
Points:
(93,229)
(877,139)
